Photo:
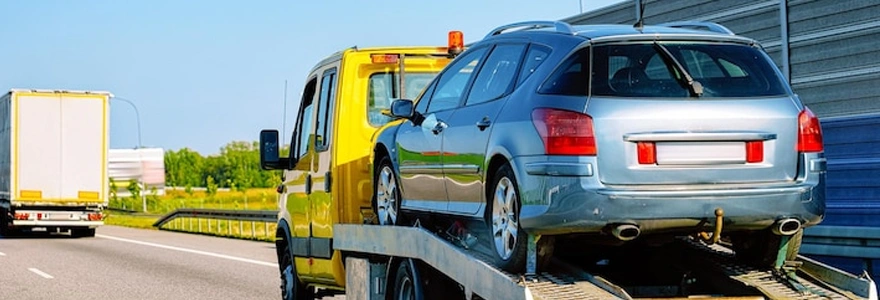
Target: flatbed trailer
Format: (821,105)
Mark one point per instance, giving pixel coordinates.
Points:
(371,252)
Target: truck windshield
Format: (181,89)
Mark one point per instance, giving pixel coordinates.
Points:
(724,70)
(384,88)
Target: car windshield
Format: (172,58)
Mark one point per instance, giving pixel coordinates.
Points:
(723,70)
(383,88)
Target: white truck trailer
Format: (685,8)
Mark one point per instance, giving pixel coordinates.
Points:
(53,160)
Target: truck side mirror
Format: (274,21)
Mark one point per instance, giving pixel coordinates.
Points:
(270,158)
(402,108)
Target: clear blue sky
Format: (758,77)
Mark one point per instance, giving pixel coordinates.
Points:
(204,73)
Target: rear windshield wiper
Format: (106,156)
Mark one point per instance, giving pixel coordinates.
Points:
(695,88)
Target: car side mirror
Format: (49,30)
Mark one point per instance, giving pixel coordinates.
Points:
(270,158)
(402,108)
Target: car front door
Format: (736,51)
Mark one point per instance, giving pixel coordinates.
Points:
(419,145)
(466,137)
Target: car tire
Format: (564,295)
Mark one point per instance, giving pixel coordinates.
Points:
(291,287)
(508,240)
(387,196)
(761,248)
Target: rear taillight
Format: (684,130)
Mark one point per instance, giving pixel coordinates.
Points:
(565,132)
(809,132)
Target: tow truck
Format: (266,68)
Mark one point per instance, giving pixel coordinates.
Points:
(328,241)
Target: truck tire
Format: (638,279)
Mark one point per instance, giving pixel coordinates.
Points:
(291,287)
(407,282)
(4,222)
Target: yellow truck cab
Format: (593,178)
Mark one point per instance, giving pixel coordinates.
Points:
(326,176)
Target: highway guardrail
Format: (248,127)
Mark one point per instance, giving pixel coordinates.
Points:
(256,224)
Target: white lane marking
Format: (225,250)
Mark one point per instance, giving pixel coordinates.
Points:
(256,262)
(41,273)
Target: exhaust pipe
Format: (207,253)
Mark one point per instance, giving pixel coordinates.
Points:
(787,226)
(625,232)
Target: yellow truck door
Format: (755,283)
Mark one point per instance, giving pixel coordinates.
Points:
(321,201)
(297,182)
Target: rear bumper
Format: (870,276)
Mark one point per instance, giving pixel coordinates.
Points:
(54,223)
(578,203)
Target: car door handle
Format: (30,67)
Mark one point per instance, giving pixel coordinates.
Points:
(439,127)
(484,123)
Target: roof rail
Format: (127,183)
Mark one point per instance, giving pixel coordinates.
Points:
(699,25)
(558,25)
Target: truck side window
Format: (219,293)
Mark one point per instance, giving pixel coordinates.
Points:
(325,106)
(305,121)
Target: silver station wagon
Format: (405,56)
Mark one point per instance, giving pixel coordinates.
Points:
(612,132)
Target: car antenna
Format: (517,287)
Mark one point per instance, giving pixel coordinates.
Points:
(640,22)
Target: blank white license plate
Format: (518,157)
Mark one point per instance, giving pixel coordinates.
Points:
(58,216)
(701,153)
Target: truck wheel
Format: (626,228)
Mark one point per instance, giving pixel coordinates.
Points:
(502,219)
(82,232)
(387,204)
(5,223)
(407,285)
(291,287)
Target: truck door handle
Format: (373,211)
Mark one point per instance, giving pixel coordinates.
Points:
(439,127)
(484,123)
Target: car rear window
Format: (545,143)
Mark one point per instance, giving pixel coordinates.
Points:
(637,70)
(724,70)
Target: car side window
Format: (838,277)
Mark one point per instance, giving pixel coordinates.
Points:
(422,103)
(325,106)
(572,77)
(454,81)
(305,121)
(537,54)
(496,75)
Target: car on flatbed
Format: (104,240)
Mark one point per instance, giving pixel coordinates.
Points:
(599,134)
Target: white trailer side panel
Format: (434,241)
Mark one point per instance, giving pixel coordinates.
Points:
(84,147)
(37,154)
(5,143)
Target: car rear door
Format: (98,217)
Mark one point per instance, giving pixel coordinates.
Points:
(466,137)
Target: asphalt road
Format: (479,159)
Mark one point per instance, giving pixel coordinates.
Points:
(125,263)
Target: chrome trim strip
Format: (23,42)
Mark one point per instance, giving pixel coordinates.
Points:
(683,136)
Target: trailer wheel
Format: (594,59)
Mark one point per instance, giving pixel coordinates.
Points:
(291,287)
(407,285)
(502,219)
(388,197)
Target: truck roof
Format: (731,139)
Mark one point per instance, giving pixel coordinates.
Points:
(20,90)
(377,49)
